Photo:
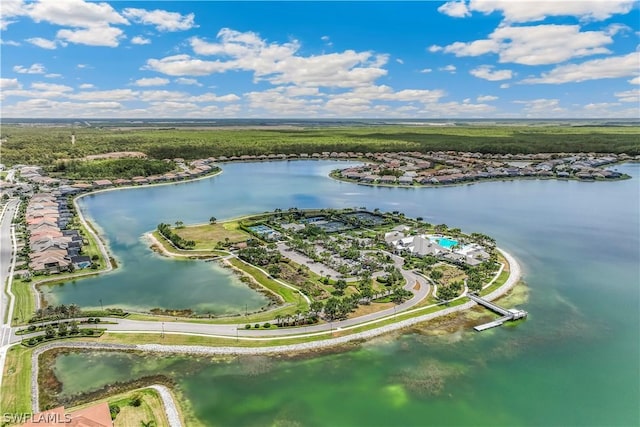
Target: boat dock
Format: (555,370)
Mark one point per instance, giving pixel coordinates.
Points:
(507,314)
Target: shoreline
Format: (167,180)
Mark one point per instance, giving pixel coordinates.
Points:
(511,282)
(479,181)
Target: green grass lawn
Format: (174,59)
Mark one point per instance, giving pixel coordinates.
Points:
(207,235)
(24,307)
(16,382)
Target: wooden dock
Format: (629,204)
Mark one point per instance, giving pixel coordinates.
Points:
(507,314)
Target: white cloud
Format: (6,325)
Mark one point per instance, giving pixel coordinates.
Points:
(456,109)
(486,98)
(635,80)
(184,65)
(541,107)
(161,19)
(93,36)
(536,45)
(50,87)
(607,68)
(276,63)
(106,95)
(6,84)
(211,97)
(505,86)
(86,86)
(456,9)
(53,75)
(426,70)
(83,66)
(187,81)
(434,48)
(399,61)
(9,42)
(449,68)
(10,9)
(632,95)
(151,81)
(33,69)
(529,11)
(75,13)
(140,40)
(487,72)
(43,43)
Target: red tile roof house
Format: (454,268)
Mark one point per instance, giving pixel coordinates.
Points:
(92,416)
(51,260)
(50,220)
(102,183)
(43,226)
(50,242)
(44,233)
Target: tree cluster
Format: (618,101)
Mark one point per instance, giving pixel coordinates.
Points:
(178,241)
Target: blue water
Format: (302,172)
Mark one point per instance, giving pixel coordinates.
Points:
(573,362)
(447,243)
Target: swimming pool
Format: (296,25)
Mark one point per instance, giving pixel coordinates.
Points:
(446,242)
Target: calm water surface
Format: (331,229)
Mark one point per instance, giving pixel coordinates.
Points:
(575,361)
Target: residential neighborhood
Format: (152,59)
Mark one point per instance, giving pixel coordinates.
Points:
(442,168)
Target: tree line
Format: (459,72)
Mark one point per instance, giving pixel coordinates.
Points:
(112,168)
(45,145)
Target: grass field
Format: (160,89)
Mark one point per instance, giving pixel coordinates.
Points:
(16,382)
(207,235)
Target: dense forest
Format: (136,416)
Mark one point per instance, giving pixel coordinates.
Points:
(112,168)
(45,145)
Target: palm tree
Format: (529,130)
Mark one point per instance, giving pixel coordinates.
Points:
(212,220)
(179,224)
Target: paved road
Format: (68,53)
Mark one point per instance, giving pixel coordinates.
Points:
(237,330)
(6,253)
(7,247)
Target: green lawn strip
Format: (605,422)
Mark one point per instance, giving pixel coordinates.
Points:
(84,333)
(495,285)
(24,305)
(15,397)
(177,339)
(289,295)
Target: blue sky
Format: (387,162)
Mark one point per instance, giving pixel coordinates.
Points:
(180,59)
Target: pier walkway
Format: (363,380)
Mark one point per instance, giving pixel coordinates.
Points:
(507,314)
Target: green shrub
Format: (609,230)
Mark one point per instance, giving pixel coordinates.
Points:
(257,326)
(267,325)
(136,400)
(247,326)
(114,410)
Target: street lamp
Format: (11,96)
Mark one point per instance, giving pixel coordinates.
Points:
(101,307)
(162,334)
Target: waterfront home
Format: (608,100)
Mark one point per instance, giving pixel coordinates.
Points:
(50,260)
(81,261)
(101,183)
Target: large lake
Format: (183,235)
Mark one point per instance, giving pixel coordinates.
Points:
(574,361)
